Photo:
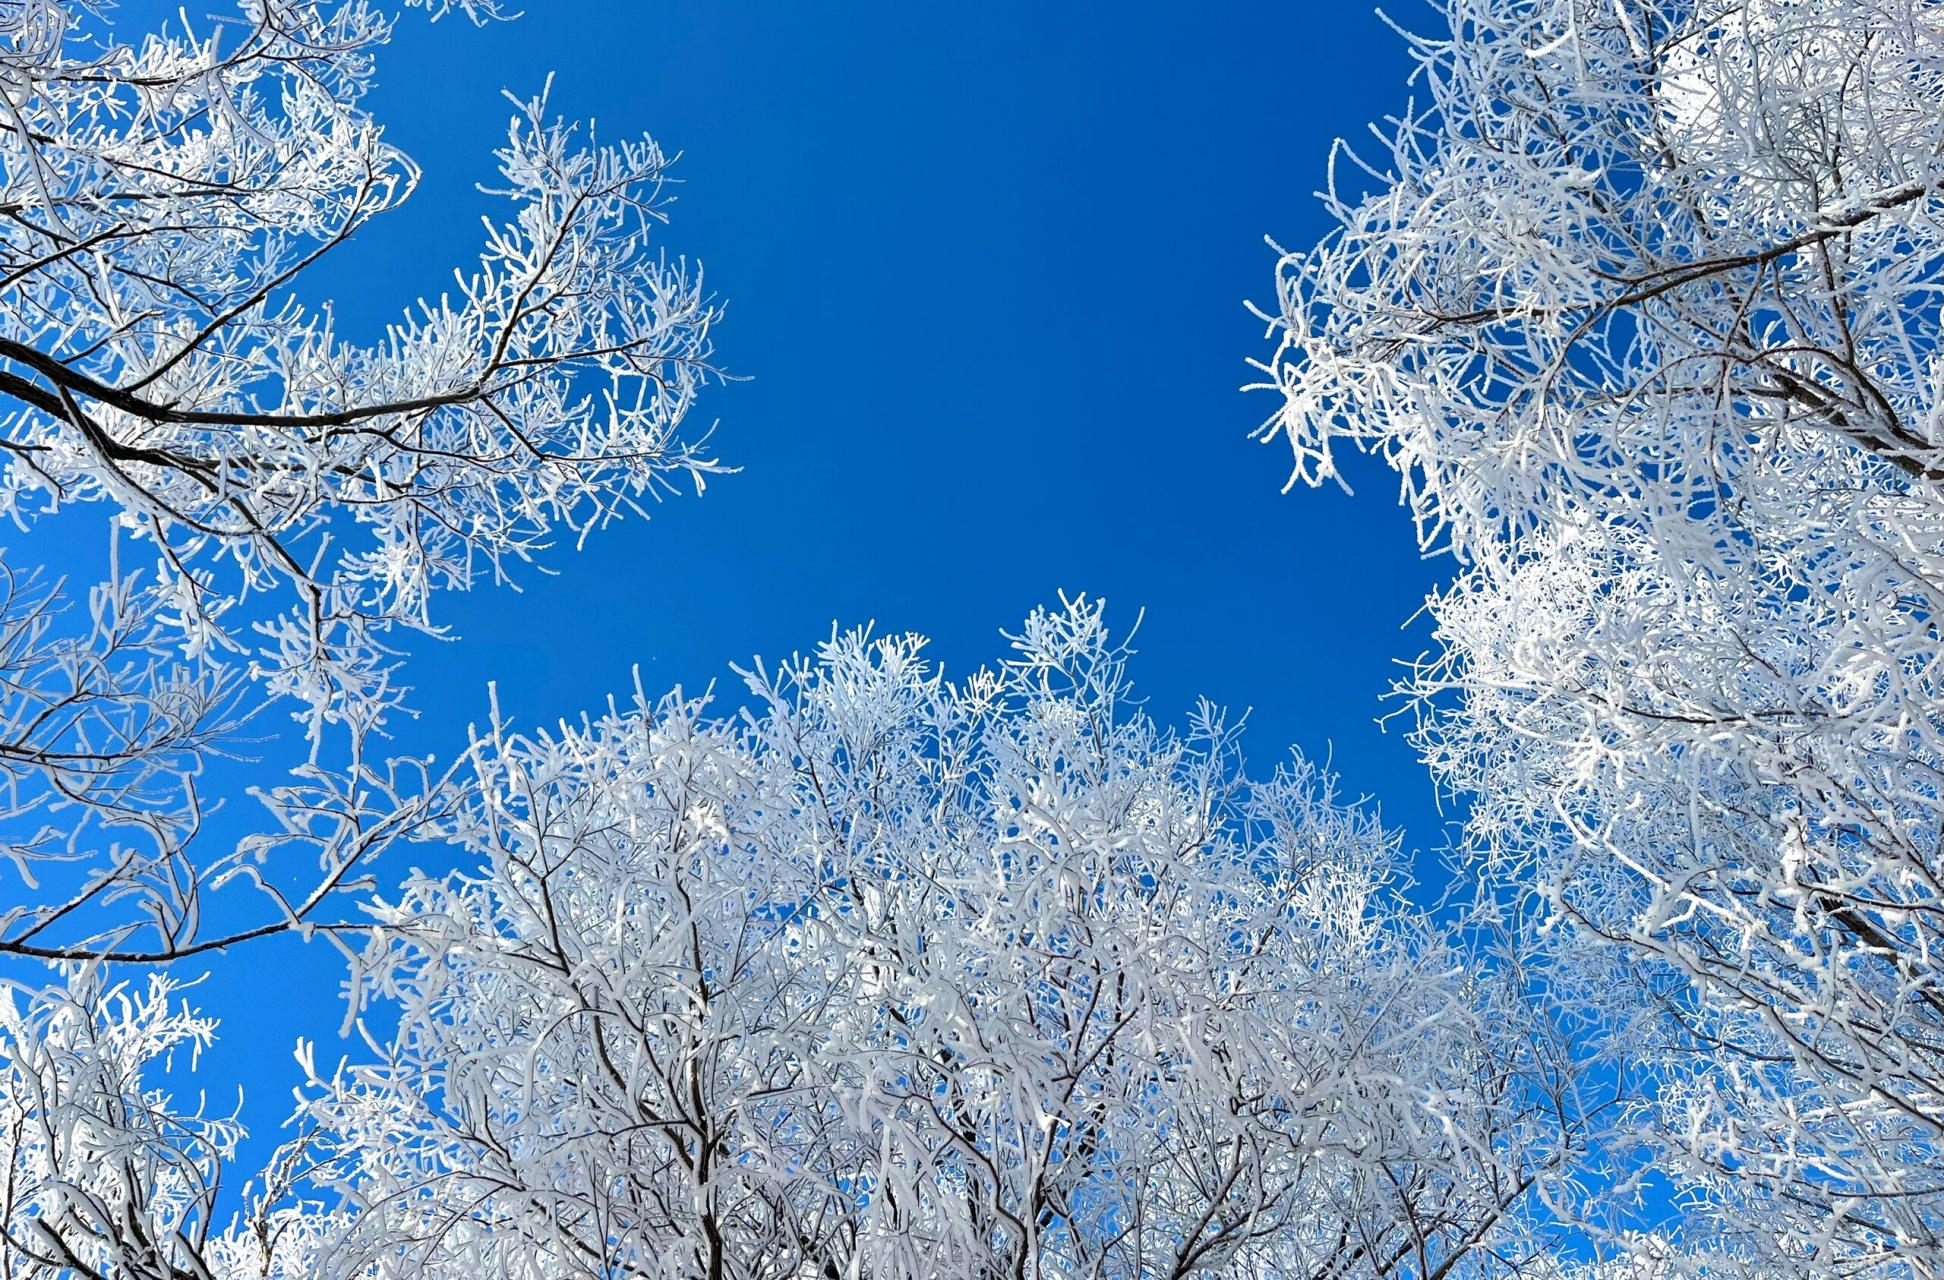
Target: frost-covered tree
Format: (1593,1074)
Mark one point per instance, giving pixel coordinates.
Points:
(895,977)
(284,497)
(103,1176)
(884,977)
(1642,302)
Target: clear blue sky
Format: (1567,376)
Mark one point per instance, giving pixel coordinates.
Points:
(985,269)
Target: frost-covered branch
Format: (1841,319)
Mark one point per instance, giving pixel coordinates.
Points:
(895,977)
(102,1175)
(303,495)
(1643,304)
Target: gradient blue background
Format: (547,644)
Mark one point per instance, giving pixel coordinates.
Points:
(985,268)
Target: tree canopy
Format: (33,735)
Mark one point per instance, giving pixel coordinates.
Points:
(882,975)
(1642,303)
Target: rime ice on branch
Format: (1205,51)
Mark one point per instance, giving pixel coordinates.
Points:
(903,978)
(1644,308)
(889,977)
(284,497)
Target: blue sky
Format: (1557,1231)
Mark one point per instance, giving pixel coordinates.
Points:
(985,269)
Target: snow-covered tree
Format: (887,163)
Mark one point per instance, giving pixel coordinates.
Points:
(1642,300)
(283,496)
(884,977)
(102,1175)
(896,977)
